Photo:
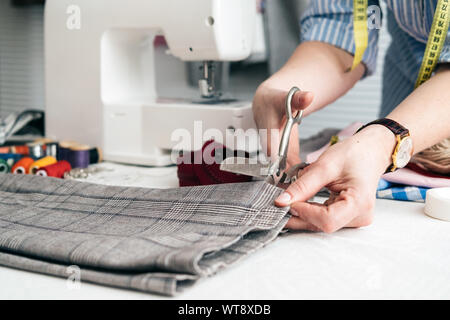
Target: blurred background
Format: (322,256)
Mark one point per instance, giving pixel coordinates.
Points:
(22,59)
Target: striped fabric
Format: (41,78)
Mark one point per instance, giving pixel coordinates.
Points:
(152,240)
(409,23)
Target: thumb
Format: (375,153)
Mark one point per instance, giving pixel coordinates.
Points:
(309,183)
(302,100)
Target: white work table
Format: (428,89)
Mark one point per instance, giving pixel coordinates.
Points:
(403,254)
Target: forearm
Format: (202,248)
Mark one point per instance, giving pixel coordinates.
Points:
(319,68)
(426,112)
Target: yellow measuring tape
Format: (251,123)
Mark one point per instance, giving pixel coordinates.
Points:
(360,30)
(436,38)
(436,41)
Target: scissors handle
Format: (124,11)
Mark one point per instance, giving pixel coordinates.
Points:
(291,120)
(289,114)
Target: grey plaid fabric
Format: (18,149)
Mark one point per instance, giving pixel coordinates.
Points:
(152,240)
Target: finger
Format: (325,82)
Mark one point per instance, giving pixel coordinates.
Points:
(302,100)
(311,180)
(294,148)
(341,213)
(296,223)
(271,141)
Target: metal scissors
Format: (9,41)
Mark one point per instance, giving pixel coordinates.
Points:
(274,172)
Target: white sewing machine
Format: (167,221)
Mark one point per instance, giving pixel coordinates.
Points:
(100,63)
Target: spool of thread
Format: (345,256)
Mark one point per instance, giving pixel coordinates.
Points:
(56,170)
(22,166)
(64,149)
(79,156)
(437,203)
(36,150)
(46,161)
(24,150)
(5,150)
(95,155)
(51,149)
(4,168)
(43,141)
(10,158)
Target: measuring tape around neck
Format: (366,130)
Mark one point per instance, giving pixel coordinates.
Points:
(361,32)
(436,41)
(436,38)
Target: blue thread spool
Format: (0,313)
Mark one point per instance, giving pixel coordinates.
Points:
(10,158)
(63,153)
(79,156)
(64,149)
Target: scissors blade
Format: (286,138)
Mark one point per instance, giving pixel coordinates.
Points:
(246,166)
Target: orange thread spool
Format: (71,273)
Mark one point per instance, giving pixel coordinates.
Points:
(22,166)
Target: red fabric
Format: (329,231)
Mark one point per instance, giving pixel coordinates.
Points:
(415,167)
(204,173)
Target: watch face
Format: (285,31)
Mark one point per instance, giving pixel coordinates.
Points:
(405,151)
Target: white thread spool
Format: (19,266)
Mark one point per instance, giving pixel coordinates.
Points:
(437,204)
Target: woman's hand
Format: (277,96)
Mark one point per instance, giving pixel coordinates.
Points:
(269,113)
(350,170)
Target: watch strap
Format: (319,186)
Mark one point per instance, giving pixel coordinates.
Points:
(392,125)
(397,129)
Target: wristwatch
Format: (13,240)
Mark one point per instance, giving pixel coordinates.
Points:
(403,150)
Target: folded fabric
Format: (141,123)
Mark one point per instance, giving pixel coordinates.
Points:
(409,177)
(403,193)
(152,240)
(383,184)
(196,168)
(436,158)
(390,191)
(423,171)
(402,176)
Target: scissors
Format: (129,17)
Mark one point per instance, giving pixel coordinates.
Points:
(275,171)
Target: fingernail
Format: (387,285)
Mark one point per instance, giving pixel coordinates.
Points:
(284,197)
(293,212)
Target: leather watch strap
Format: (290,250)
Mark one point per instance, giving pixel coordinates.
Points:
(396,128)
(392,125)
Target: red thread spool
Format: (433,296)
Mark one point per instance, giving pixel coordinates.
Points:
(22,166)
(21,150)
(56,170)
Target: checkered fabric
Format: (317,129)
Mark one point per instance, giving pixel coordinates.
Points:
(403,193)
(152,240)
